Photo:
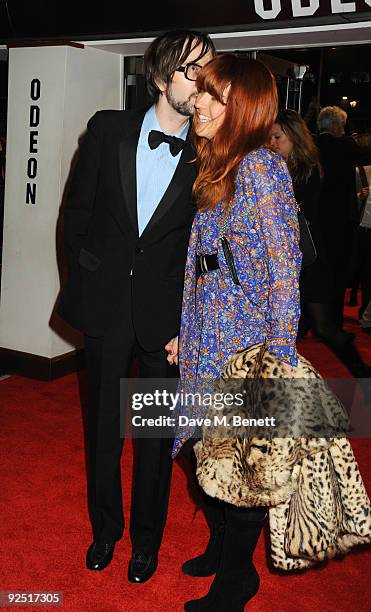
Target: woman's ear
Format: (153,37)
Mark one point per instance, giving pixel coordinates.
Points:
(226,93)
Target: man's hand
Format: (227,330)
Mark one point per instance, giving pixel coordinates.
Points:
(364,193)
(172,349)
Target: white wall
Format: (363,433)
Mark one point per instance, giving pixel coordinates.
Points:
(74,84)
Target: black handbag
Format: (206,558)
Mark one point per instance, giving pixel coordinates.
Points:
(306,243)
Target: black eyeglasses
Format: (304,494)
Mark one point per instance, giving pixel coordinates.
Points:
(191,71)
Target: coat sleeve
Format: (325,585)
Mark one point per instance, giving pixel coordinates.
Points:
(279,233)
(81,190)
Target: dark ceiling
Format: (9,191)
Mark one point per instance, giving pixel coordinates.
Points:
(49,19)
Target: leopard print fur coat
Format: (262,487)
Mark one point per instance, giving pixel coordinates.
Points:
(318,505)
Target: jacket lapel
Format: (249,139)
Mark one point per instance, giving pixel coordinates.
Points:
(127,165)
(184,175)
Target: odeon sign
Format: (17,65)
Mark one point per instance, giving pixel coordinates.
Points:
(271,9)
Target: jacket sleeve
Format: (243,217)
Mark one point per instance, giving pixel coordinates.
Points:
(359,154)
(81,189)
(188,319)
(279,233)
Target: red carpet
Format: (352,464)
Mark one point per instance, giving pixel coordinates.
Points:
(45,530)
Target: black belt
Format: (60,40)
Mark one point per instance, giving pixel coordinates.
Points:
(207,263)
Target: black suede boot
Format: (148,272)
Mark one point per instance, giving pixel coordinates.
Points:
(358,368)
(207,563)
(236,580)
(341,343)
(350,356)
(324,325)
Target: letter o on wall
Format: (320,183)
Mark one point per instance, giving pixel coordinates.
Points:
(32,168)
(35,89)
(298,10)
(267,13)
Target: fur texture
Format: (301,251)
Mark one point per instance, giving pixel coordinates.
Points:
(318,505)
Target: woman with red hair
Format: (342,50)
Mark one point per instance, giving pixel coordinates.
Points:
(241,282)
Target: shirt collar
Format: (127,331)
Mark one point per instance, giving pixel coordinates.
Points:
(151,123)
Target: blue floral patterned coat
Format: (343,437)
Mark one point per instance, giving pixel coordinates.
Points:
(220,317)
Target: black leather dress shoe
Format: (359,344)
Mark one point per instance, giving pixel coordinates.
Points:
(99,555)
(141,567)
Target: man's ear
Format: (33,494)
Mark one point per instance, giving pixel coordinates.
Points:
(161,85)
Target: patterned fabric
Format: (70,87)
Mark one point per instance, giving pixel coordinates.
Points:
(220,317)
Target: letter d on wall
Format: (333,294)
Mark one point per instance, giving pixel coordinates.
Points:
(267,13)
(298,10)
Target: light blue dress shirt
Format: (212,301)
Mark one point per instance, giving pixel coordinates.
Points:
(155,169)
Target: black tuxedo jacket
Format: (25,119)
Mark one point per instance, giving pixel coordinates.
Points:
(339,206)
(114,273)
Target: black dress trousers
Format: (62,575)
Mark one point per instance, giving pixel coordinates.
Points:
(109,358)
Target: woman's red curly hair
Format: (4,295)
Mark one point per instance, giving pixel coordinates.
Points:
(250,112)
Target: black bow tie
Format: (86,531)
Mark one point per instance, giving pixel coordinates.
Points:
(155,138)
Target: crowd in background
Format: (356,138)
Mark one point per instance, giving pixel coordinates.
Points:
(331,174)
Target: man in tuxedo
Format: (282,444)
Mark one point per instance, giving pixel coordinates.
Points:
(339,156)
(126,224)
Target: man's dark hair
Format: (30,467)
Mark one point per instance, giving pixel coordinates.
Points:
(168,51)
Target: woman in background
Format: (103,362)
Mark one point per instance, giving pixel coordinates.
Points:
(361,257)
(291,139)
